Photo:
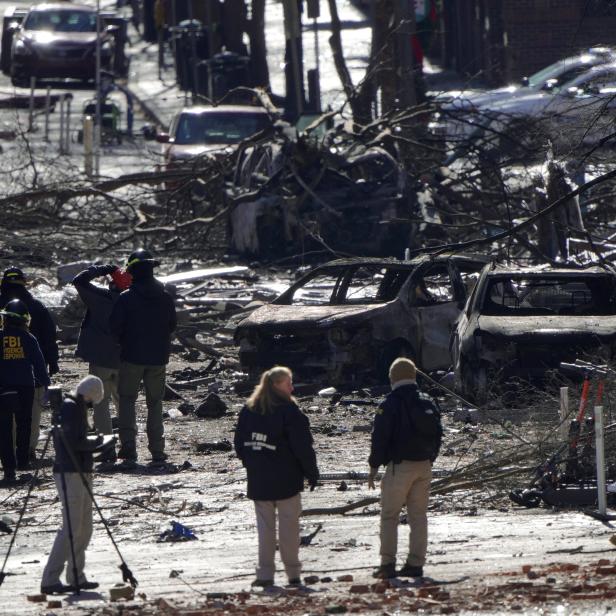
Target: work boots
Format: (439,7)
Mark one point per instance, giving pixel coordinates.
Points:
(411,571)
(384,572)
(9,478)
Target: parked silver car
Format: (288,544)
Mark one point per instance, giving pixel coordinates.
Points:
(578,111)
(549,78)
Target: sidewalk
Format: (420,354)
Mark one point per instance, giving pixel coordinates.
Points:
(159,99)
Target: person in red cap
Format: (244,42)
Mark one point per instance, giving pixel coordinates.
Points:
(96,345)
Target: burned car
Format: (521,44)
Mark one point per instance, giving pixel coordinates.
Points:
(521,322)
(349,319)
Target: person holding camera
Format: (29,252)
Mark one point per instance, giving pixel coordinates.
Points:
(72,473)
(274,443)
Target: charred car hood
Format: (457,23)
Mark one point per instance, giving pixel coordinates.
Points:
(521,328)
(43,37)
(281,317)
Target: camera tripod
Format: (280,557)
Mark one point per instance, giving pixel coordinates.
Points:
(127,575)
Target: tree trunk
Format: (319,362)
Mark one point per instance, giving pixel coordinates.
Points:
(258,49)
(359,100)
(385,69)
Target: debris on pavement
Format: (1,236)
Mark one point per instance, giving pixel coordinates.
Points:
(177,532)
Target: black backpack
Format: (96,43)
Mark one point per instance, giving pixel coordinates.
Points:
(421,424)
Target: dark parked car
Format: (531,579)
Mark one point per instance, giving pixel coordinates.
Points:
(58,41)
(351,318)
(520,322)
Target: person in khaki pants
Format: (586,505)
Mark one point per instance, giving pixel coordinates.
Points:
(96,345)
(73,466)
(406,438)
(143,320)
(274,443)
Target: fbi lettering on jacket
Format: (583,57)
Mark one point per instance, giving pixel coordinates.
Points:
(11,348)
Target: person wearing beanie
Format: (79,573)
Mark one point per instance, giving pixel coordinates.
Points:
(43,328)
(72,470)
(96,345)
(406,438)
(22,366)
(142,320)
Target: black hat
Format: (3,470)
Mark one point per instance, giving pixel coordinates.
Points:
(14,275)
(16,310)
(140,256)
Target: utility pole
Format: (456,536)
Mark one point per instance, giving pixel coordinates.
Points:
(97,121)
(405,20)
(294,76)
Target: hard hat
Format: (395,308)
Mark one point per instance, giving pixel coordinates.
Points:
(16,310)
(14,275)
(140,255)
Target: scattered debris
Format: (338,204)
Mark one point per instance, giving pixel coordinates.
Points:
(212,407)
(121,591)
(177,532)
(223,445)
(306,540)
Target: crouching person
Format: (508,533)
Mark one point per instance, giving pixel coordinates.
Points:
(274,443)
(406,438)
(73,465)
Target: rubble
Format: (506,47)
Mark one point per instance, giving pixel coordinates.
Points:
(212,407)
(120,592)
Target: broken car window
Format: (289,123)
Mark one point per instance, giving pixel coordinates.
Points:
(317,291)
(434,287)
(530,296)
(363,285)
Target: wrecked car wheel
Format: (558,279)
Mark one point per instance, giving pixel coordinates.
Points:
(475,383)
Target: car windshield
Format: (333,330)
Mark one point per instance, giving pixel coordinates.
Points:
(535,296)
(549,72)
(213,128)
(362,284)
(61,21)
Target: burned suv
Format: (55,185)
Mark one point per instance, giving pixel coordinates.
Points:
(521,322)
(351,318)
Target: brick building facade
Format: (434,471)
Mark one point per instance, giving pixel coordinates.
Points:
(503,40)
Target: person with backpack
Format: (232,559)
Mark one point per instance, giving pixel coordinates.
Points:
(142,320)
(274,443)
(22,368)
(406,438)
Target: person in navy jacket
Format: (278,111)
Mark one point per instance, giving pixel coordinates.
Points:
(274,443)
(22,368)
